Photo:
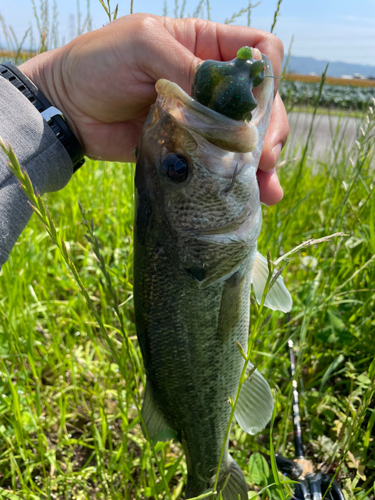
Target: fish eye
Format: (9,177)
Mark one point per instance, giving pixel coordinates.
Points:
(175,167)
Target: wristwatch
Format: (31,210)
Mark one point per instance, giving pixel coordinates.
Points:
(52,115)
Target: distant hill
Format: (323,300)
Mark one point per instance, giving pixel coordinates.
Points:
(307,65)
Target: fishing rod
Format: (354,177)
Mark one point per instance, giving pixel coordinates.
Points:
(298,445)
(311,485)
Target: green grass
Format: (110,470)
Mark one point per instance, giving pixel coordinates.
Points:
(69,428)
(71,378)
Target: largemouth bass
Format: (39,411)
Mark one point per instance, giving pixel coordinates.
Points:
(197,221)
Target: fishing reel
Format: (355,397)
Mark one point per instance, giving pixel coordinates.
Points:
(311,485)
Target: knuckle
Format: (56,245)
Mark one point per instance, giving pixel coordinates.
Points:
(143,24)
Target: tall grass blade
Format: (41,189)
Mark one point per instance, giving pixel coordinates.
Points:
(240,13)
(276,15)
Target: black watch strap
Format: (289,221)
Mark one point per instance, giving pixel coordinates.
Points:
(52,115)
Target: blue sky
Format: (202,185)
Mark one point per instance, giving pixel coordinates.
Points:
(325,29)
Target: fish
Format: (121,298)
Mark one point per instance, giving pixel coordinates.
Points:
(197,220)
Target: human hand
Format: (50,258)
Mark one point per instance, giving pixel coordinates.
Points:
(104,81)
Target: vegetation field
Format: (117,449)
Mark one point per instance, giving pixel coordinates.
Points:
(71,376)
(333,96)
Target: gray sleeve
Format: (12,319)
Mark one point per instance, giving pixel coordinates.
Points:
(39,152)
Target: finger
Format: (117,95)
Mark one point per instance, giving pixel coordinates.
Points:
(164,57)
(277,135)
(209,40)
(269,187)
(179,45)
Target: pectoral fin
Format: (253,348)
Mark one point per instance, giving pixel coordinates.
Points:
(255,403)
(157,427)
(278,298)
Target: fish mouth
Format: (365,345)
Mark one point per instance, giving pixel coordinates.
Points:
(236,136)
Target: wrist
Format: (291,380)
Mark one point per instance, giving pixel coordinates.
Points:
(44,70)
(46,102)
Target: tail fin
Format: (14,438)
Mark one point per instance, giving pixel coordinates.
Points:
(232,484)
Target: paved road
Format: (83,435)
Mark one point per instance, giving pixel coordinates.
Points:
(332,135)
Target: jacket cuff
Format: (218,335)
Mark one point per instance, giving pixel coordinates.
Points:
(39,152)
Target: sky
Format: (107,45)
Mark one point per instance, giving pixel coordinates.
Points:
(330,30)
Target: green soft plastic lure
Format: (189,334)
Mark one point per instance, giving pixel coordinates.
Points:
(226,87)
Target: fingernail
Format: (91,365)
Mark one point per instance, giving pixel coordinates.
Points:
(276,151)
